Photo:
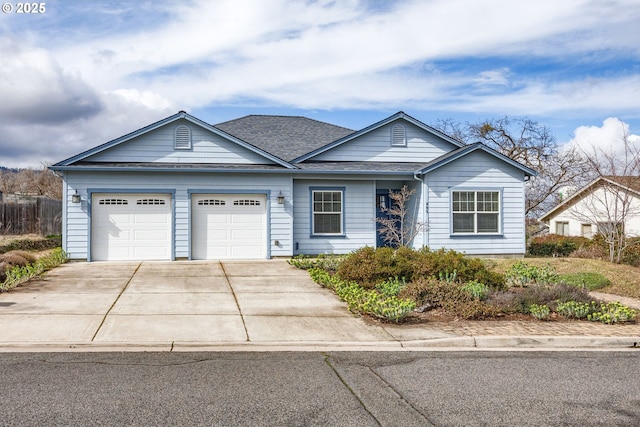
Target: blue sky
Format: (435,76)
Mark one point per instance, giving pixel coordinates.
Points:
(85,72)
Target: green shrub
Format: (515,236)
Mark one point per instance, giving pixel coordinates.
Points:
(612,312)
(389,308)
(589,280)
(575,309)
(553,245)
(369,266)
(477,290)
(519,300)
(540,311)
(448,263)
(325,262)
(522,275)
(430,293)
(391,287)
(20,274)
(370,302)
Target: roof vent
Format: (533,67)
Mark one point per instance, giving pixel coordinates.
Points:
(183,138)
(398,136)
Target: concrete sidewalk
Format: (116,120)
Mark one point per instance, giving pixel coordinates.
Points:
(236,305)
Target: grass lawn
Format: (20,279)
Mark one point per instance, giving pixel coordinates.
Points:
(625,280)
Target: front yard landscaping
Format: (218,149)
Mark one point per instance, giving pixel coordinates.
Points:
(420,285)
(25,258)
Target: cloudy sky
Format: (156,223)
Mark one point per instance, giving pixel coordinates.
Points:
(84,72)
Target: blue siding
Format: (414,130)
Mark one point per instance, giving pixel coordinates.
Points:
(158,146)
(481,171)
(359,219)
(375,146)
(77,232)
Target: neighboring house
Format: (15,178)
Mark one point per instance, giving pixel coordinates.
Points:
(611,201)
(274,186)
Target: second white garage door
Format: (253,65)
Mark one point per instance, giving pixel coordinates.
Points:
(228,226)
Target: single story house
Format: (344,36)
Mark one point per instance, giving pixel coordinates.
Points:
(265,186)
(608,201)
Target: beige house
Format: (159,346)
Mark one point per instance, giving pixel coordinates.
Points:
(605,203)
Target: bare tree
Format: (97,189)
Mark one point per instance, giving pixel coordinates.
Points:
(532,144)
(401,227)
(31,182)
(614,197)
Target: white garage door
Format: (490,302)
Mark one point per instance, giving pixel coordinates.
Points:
(131,227)
(228,226)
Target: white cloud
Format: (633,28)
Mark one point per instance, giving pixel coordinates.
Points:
(606,140)
(224,50)
(34,88)
(83,89)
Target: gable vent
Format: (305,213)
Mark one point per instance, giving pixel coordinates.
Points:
(398,136)
(183,137)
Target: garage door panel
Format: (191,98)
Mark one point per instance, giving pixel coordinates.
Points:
(131,227)
(150,235)
(248,235)
(150,218)
(225,226)
(246,220)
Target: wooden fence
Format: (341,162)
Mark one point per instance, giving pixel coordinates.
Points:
(42,216)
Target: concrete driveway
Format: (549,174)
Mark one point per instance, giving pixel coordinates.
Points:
(180,303)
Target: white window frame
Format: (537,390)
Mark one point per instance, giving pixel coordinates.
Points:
(471,207)
(323,204)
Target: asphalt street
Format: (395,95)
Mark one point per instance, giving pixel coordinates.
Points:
(321,389)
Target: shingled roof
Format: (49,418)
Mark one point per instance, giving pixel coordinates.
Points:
(287,137)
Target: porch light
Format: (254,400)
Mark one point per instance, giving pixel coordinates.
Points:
(280,199)
(75,198)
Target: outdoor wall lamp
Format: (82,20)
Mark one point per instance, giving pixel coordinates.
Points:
(75,198)
(280,199)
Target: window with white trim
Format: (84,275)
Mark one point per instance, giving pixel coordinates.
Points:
(182,138)
(327,212)
(476,212)
(398,136)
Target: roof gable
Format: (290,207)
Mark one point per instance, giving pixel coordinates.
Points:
(253,154)
(468,149)
(369,129)
(627,183)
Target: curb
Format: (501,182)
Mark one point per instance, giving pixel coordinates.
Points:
(467,343)
(541,341)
